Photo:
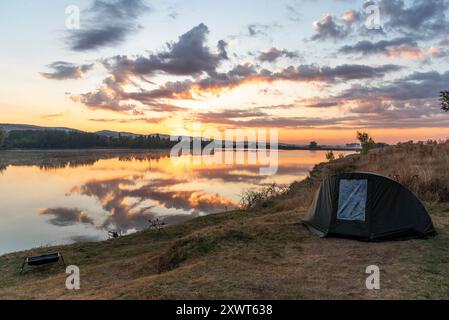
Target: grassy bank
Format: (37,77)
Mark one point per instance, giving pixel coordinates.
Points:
(263,252)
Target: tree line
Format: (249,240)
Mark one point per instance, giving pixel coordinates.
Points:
(54,139)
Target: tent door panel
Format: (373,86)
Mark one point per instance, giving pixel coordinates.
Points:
(352,200)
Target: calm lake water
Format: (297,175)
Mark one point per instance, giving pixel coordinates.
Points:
(60,197)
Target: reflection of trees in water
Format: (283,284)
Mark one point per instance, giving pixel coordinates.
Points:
(73,159)
(131,200)
(51,164)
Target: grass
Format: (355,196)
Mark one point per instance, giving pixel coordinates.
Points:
(422,167)
(260,253)
(432,268)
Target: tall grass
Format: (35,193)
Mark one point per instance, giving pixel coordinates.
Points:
(422,167)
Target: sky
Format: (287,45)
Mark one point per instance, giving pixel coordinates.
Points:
(314,70)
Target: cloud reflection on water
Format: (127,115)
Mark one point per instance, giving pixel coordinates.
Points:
(89,192)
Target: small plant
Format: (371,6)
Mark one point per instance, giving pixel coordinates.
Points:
(251,199)
(330,156)
(366,141)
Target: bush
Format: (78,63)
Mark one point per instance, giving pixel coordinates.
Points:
(366,141)
(330,156)
(444,99)
(2,137)
(251,199)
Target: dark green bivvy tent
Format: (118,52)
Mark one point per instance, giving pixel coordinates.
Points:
(367,207)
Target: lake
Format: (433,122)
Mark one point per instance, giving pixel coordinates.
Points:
(60,197)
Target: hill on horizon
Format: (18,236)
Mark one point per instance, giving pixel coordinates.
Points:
(115,134)
(108,133)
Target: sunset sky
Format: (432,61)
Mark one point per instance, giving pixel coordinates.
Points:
(308,68)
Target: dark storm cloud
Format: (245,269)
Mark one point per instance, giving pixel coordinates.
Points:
(367,114)
(408,102)
(64,70)
(311,72)
(274,54)
(324,104)
(105,99)
(423,18)
(330,74)
(189,56)
(239,113)
(302,73)
(276,122)
(66,217)
(229,116)
(112,95)
(367,47)
(415,86)
(256,119)
(241,74)
(109,22)
(222,45)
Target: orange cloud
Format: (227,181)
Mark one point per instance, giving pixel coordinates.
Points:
(406,53)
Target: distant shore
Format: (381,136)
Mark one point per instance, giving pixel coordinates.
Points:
(281,147)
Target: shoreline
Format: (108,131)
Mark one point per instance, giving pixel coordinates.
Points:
(65,245)
(282,148)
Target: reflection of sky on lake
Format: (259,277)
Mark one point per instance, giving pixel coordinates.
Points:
(49,199)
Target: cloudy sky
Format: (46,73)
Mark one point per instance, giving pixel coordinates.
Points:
(312,69)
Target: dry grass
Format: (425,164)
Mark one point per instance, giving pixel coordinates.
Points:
(423,168)
(240,255)
(262,253)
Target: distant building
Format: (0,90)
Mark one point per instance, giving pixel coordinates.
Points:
(353,145)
